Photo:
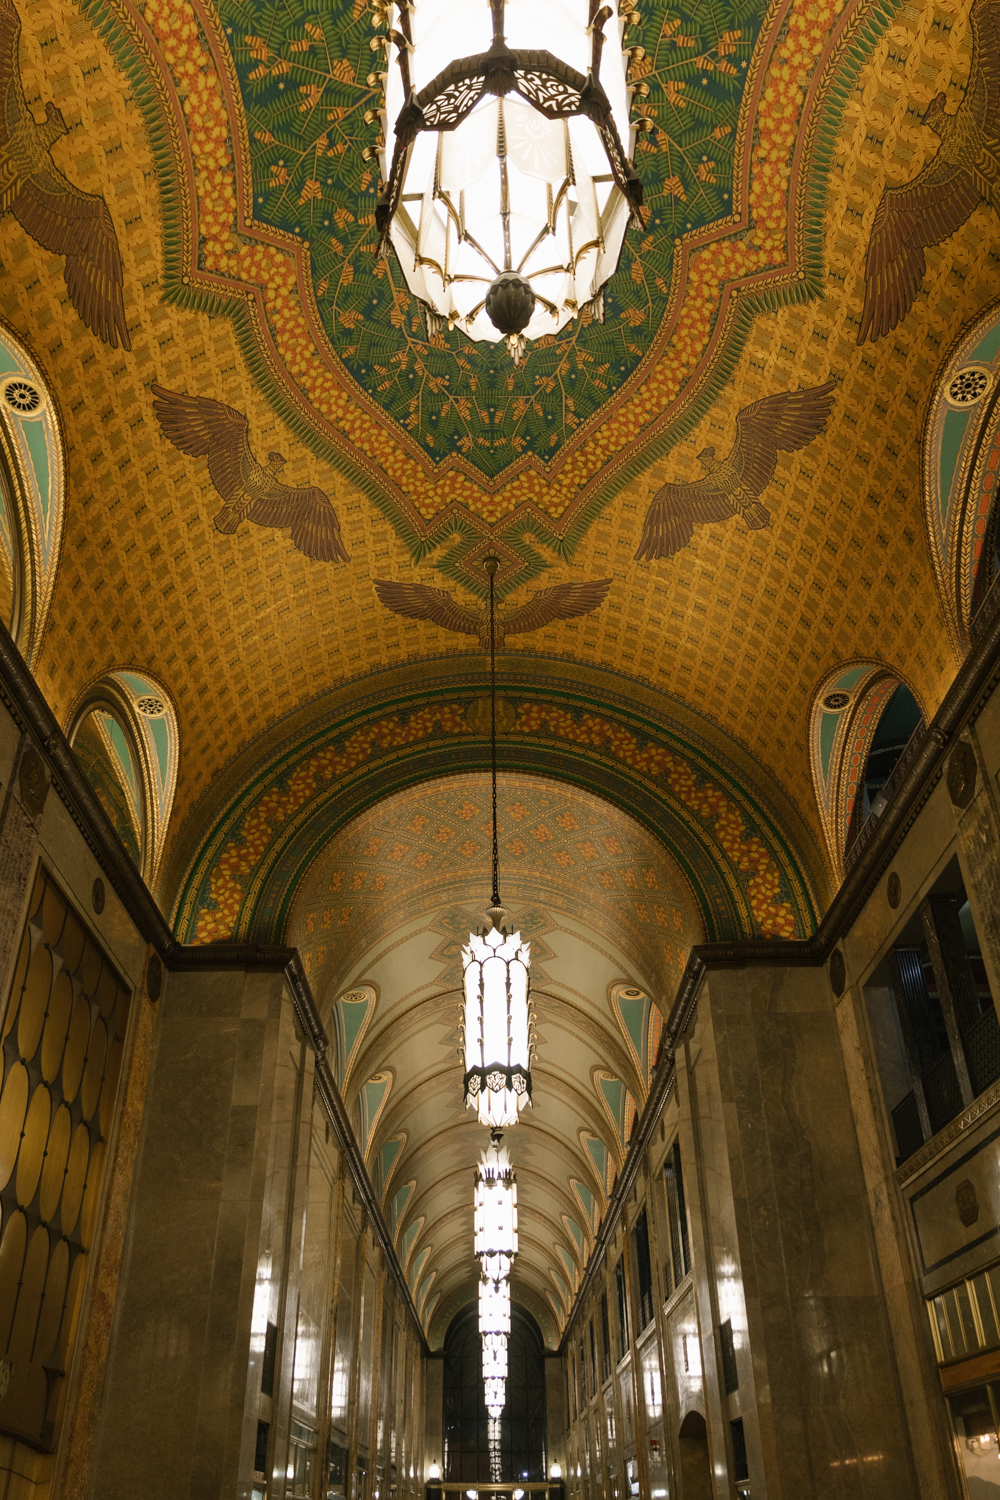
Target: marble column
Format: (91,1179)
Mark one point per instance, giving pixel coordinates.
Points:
(556,1415)
(434,1412)
(173,1415)
(786,1253)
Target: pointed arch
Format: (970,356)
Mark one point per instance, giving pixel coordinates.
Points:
(372,1098)
(961,470)
(618,1104)
(565,1295)
(412,1231)
(351,1015)
(569,1265)
(417,1268)
(589,1204)
(603,1162)
(844,720)
(32,495)
(429,1313)
(123,727)
(421,1298)
(385,1162)
(397,1207)
(634,1010)
(577,1236)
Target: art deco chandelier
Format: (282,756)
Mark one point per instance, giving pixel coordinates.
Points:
(495,1247)
(507,179)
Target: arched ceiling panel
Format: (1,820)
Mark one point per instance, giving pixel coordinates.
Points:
(751,867)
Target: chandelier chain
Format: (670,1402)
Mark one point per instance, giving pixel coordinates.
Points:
(493,735)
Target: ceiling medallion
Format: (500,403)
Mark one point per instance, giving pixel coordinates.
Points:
(507,184)
(969,386)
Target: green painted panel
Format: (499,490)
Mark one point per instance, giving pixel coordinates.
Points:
(827,734)
(634,1014)
(106,782)
(38,450)
(952,434)
(160,734)
(411,1232)
(599,1156)
(989,344)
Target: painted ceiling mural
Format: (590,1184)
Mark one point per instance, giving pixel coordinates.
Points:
(272,203)
(222,303)
(244,872)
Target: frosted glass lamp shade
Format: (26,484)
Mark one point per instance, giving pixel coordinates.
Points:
(496,1212)
(494,1356)
(497,1027)
(494,1307)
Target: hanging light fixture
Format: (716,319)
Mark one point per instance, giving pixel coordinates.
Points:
(497,985)
(494,1307)
(496,1395)
(507,180)
(496,1246)
(496,1211)
(494,1327)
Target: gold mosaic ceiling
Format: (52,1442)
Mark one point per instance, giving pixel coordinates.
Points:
(244,629)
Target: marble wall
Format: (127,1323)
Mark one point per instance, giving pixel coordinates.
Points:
(233,1310)
(840,1284)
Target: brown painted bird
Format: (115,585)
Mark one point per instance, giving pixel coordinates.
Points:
(250,490)
(61,217)
(564,601)
(964,171)
(733,486)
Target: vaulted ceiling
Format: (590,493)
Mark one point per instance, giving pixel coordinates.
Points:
(381,919)
(227,142)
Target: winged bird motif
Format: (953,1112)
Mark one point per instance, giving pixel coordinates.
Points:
(734,485)
(964,171)
(250,491)
(56,213)
(564,601)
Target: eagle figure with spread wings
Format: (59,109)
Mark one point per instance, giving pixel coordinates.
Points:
(564,601)
(60,216)
(733,487)
(250,491)
(964,171)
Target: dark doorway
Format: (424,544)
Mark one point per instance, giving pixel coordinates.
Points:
(696,1470)
(521,1449)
